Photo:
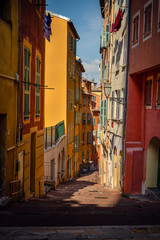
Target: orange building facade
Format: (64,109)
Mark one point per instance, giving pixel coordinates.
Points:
(86,130)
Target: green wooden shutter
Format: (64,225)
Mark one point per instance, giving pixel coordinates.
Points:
(105,113)
(38,63)
(26,82)
(107,34)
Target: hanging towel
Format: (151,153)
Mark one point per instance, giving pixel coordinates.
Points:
(47,26)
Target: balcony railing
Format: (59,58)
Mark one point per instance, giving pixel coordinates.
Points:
(53,133)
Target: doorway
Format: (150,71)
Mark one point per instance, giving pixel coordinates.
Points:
(119,169)
(3,152)
(115,167)
(153,164)
(53,170)
(32,165)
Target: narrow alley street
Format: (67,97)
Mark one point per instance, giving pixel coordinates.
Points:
(82,202)
(82,209)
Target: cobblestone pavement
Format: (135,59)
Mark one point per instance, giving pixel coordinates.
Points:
(83,233)
(82,202)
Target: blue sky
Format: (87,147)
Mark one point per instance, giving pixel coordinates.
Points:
(86,17)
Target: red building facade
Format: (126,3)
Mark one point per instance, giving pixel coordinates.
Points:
(30,151)
(142,139)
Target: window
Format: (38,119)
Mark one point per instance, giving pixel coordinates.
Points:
(94,122)
(83,160)
(158,90)
(89,101)
(89,137)
(147,27)
(135,29)
(69,65)
(118,105)
(38,5)
(71,42)
(83,100)
(103,112)
(83,135)
(5,10)
(159,16)
(87,154)
(95,148)
(93,98)
(97,121)
(89,118)
(112,106)
(38,82)
(148,92)
(83,118)
(77,142)
(70,100)
(26,83)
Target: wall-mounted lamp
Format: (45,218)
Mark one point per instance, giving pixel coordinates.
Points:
(107,88)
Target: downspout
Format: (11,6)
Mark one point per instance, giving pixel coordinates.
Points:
(18,67)
(125,98)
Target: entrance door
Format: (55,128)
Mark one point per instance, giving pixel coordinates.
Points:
(3,152)
(53,170)
(21,171)
(115,167)
(32,165)
(119,169)
(158,177)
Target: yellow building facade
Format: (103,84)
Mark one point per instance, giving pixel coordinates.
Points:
(8,92)
(60,75)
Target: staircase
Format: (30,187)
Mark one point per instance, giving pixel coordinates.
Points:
(153,193)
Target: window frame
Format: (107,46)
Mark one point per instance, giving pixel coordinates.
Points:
(37,116)
(158,25)
(150,78)
(147,35)
(84,101)
(28,46)
(135,42)
(158,91)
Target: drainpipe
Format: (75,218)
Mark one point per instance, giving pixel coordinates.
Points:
(125,98)
(18,67)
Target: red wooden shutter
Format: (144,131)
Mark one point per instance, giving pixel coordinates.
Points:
(148,92)
(158,94)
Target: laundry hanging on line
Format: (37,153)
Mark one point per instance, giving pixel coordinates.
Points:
(47,26)
(117,24)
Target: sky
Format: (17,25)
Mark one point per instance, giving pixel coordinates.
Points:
(86,17)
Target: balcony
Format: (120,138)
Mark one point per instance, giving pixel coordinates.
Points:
(53,133)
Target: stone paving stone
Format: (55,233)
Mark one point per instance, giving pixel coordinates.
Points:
(139,230)
(116,232)
(30,238)
(155,230)
(94,231)
(143,238)
(71,231)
